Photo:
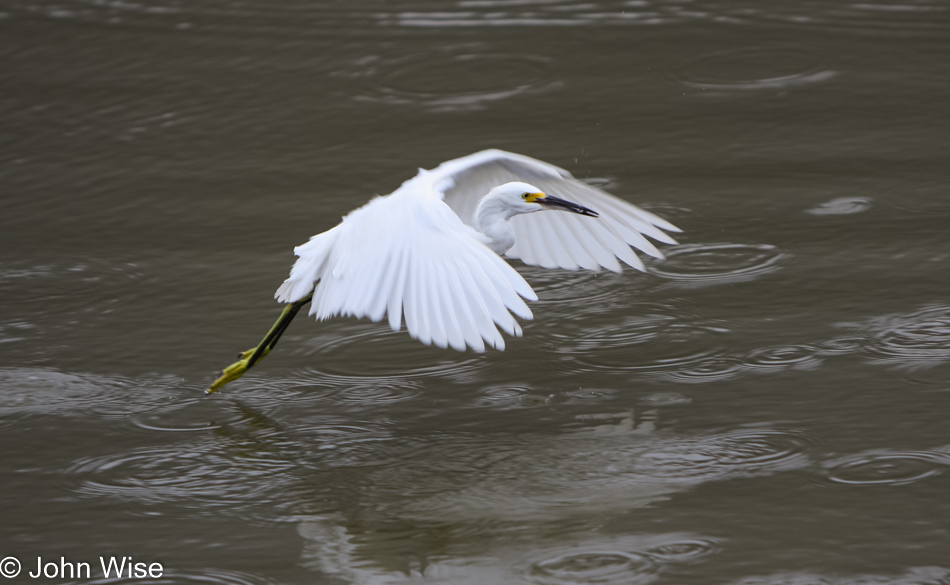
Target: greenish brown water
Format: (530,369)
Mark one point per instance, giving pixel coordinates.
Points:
(767,406)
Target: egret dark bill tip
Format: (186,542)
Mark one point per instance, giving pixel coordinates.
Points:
(552,202)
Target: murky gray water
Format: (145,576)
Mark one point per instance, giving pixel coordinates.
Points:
(767,406)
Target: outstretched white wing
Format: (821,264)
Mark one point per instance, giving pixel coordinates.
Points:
(410,254)
(554,239)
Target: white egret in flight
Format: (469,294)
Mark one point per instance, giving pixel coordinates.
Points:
(430,251)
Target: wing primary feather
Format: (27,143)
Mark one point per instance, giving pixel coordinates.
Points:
(559,254)
(638,219)
(498,311)
(424,301)
(658,221)
(481,312)
(451,307)
(586,237)
(631,236)
(607,241)
(411,300)
(514,278)
(466,318)
(388,290)
(578,251)
(509,296)
(621,249)
(397,300)
(595,198)
(441,327)
(546,254)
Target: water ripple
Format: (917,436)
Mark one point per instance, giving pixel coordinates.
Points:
(872,16)
(203,477)
(763,360)
(305,19)
(708,369)
(287,19)
(193,414)
(646,344)
(840,346)
(916,340)
(755,68)
(507,396)
(695,265)
(617,560)
(565,287)
(341,357)
(430,79)
(686,550)
(744,452)
(559,13)
(841,206)
(38,391)
(802,357)
(377,394)
(912,576)
(665,399)
(593,566)
(371,388)
(349,445)
(884,467)
(519,556)
(199,576)
(588,395)
(578,474)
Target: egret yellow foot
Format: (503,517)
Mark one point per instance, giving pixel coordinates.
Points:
(248,358)
(234,371)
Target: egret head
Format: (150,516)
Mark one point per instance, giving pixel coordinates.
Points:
(526,198)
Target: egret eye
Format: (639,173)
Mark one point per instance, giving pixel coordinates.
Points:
(525,195)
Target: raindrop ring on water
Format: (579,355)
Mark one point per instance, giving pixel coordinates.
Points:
(755,68)
(684,550)
(591,567)
(914,340)
(707,264)
(888,468)
(429,79)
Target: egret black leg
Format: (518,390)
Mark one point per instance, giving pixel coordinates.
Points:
(255,354)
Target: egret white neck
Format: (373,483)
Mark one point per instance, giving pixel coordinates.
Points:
(491,219)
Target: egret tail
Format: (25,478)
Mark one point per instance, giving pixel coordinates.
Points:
(254,355)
